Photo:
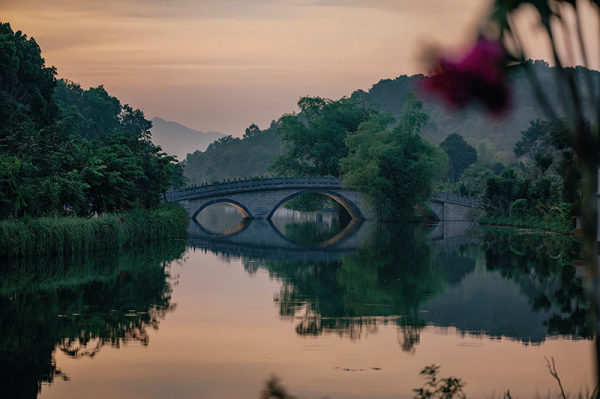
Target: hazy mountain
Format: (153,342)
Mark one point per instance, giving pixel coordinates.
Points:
(251,155)
(235,157)
(176,139)
(472,122)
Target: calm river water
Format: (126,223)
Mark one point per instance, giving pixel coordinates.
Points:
(334,309)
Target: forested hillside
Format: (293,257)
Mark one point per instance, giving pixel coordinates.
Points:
(232,157)
(471,123)
(65,149)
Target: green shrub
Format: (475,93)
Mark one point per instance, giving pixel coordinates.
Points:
(519,208)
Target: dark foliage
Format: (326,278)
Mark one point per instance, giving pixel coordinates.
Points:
(64,149)
(77,306)
(461,155)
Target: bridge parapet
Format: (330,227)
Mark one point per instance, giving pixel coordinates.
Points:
(249,184)
(458,199)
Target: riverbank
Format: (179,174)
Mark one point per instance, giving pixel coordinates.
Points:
(555,226)
(62,235)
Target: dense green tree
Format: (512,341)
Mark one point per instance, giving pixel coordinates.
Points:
(502,190)
(461,155)
(546,184)
(396,169)
(474,179)
(26,88)
(66,148)
(99,111)
(547,152)
(542,190)
(539,143)
(314,141)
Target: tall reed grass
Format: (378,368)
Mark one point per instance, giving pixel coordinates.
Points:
(63,235)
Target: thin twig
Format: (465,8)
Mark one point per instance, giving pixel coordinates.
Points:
(554,374)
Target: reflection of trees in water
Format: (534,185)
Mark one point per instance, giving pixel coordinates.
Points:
(313,233)
(78,304)
(543,267)
(398,278)
(384,282)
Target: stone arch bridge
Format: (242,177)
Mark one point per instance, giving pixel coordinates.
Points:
(260,198)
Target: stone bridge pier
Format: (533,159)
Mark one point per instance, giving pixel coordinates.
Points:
(455,208)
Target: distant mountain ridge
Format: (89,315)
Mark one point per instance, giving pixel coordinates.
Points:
(473,123)
(179,140)
(252,154)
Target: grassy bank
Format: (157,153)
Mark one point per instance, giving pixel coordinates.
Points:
(557,226)
(63,235)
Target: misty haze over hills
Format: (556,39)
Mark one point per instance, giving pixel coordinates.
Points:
(176,139)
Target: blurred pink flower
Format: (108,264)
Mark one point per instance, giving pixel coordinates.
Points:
(477,77)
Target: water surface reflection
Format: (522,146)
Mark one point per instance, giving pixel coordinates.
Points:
(77,305)
(396,276)
(336,308)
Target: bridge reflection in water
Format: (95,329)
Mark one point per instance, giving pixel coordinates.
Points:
(367,274)
(264,239)
(278,239)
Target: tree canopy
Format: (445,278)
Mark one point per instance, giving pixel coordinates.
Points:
(461,155)
(64,149)
(314,141)
(395,168)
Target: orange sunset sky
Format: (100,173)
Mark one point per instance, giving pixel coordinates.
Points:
(223,64)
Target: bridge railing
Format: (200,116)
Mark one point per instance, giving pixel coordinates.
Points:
(246,184)
(457,198)
(265,182)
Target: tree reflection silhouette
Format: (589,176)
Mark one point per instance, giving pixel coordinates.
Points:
(385,281)
(543,267)
(78,304)
(399,277)
(314,232)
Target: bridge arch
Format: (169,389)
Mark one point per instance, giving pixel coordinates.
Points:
(237,205)
(350,206)
(237,229)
